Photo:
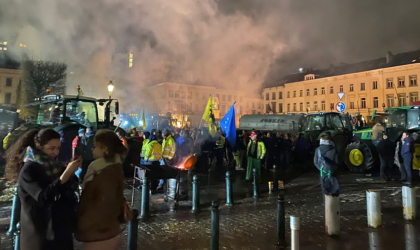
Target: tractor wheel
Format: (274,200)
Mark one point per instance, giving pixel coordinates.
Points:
(359,157)
(340,142)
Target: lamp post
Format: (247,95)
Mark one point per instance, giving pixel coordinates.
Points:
(110,88)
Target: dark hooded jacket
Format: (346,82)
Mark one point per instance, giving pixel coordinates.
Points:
(327,151)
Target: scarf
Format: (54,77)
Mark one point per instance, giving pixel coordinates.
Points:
(97,166)
(51,166)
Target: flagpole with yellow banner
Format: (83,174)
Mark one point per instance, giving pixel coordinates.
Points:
(143,119)
(208,116)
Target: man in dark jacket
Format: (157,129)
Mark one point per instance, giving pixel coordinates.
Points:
(386,151)
(327,150)
(407,155)
(286,151)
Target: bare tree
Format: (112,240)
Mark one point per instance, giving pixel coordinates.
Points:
(37,76)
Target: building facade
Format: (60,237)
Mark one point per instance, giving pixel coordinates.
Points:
(386,82)
(10,80)
(187,102)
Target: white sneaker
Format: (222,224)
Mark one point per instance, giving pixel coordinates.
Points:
(241,169)
(237,169)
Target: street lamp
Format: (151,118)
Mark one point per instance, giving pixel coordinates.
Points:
(110,88)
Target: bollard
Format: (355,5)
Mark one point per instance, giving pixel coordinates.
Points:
(195,194)
(373,200)
(15,216)
(332,215)
(294,228)
(144,210)
(256,184)
(409,202)
(214,244)
(229,198)
(17,237)
(133,227)
(281,221)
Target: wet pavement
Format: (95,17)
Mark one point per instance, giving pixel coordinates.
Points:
(251,224)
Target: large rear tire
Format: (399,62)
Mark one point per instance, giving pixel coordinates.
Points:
(359,157)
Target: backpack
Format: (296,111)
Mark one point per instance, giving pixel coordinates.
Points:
(327,167)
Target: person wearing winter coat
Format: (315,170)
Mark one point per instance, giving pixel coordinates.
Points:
(386,151)
(256,152)
(407,155)
(100,209)
(326,150)
(46,191)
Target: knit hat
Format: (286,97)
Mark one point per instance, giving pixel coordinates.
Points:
(82,130)
(253,136)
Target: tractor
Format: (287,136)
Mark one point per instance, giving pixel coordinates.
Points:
(361,154)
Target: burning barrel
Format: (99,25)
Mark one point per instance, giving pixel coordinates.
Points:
(186,164)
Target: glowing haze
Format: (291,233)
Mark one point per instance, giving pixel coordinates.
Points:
(230,44)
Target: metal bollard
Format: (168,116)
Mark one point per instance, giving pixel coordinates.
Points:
(332,215)
(195,194)
(281,221)
(15,216)
(373,200)
(133,227)
(17,237)
(229,196)
(409,202)
(144,210)
(294,228)
(214,244)
(256,184)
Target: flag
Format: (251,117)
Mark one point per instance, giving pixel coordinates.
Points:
(228,125)
(208,116)
(143,119)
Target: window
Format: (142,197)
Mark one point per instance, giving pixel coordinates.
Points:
(273,105)
(196,107)
(390,101)
(229,98)
(331,106)
(362,86)
(183,94)
(351,88)
(280,95)
(189,95)
(224,98)
(301,106)
(273,96)
(294,93)
(190,107)
(294,107)
(331,90)
(375,85)
(267,96)
(171,93)
(307,92)
(389,83)
(351,105)
(341,88)
(170,107)
(315,106)
(308,106)
(323,105)
(322,91)
(401,99)
(288,107)
(375,102)
(280,107)
(259,105)
(288,94)
(401,82)
(7,98)
(363,101)
(301,93)
(315,91)
(414,97)
(223,109)
(9,82)
(413,80)
(176,94)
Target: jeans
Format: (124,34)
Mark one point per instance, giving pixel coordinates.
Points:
(386,166)
(408,165)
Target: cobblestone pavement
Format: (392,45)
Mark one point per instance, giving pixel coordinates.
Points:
(251,224)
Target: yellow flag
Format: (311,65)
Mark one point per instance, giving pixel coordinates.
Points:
(208,116)
(143,119)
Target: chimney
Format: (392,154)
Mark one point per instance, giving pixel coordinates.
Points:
(389,57)
(331,68)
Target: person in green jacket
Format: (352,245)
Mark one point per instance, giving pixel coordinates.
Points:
(255,152)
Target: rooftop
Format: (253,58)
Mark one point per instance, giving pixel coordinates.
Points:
(388,61)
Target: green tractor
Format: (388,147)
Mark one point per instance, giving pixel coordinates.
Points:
(361,154)
(317,124)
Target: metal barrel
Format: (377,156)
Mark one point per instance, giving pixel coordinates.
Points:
(145,196)
(409,202)
(214,244)
(294,228)
(373,200)
(195,194)
(256,183)
(281,221)
(332,215)
(229,193)
(133,227)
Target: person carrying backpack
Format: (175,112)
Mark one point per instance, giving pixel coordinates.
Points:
(325,160)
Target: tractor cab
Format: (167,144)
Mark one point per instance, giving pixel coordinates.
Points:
(321,122)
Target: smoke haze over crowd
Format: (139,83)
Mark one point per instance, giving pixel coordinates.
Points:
(230,44)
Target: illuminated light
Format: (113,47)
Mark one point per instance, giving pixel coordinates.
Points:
(126,122)
(78,87)
(48,90)
(4,48)
(178,124)
(300,70)
(5,42)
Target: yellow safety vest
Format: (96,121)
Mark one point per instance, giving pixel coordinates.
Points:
(169,147)
(260,150)
(6,140)
(143,148)
(153,151)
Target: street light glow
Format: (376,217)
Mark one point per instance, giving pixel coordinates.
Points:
(110,88)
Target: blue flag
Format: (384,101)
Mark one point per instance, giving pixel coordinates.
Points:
(228,125)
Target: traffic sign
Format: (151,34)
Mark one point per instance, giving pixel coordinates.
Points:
(340,107)
(340,95)
(353,121)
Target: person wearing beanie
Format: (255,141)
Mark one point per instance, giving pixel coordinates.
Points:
(255,151)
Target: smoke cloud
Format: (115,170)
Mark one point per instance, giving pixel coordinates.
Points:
(231,44)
